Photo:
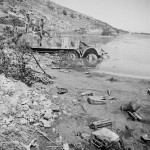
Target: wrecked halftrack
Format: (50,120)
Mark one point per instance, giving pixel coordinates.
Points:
(79,50)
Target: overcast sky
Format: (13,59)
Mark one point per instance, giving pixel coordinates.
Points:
(131,15)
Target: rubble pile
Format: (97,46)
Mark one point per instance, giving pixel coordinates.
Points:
(24,110)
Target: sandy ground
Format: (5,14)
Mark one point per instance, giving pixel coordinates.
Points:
(78,113)
(82,113)
(125,89)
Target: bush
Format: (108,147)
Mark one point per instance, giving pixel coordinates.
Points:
(12,21)
(65,12)
(51,7)
(14,60)
(72,16)
(107,32)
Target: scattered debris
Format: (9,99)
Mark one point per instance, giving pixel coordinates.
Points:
(96,100)
(64,70)
(65,146)
(108,92)
(112,79)
(132,106)
(100,124)
(46,123)
(87,73)
(145,138)
(112,98)
(61,90)
(103,138)
(23,121)
(134,116)
(87,93)
(48,114)
(148,91)
(55,68)
(84,136)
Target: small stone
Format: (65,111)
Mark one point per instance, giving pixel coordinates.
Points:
(42,111)
(25,101)
(87,73)
(54,130)
(31,120)
(6,121)
(65,146)
(23,121)
(42,97)
(87,93)
(26,107)
(48,114)
(59,140)
(46,123)
(64,112)
(36,124)
(148,91)
(55,116)
(54,96)
(35,103)
(55,108)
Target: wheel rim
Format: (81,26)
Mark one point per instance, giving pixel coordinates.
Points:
(92,59)
(72,56)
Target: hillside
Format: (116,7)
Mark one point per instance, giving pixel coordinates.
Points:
(56,18)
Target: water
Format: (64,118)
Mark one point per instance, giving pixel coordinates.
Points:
(129,56)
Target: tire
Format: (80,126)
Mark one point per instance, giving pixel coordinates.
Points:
(90,58)
(90,51)
(73,55)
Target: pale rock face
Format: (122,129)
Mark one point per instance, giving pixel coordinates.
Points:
(23,121)
(46,123)
(48,114)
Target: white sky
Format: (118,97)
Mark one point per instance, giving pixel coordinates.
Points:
(130,15)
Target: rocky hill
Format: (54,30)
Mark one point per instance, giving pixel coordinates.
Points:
(44,21)
(55,17)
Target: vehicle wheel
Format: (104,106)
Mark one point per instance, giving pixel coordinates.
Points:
(73,55)
(90,58)
(90,51)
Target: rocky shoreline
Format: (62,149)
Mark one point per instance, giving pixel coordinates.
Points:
(42,118)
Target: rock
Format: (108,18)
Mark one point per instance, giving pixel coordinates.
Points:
(25,107)
(87,93)
(62,90)
(87,72)
(42,97)
(6,121)
(145,137)
(48,114)
(25,101)
(64,112)
(55,108)
(23,121)
(54,96)
(42,112)
(148,91)
(59,140)
(112,98)
(35,103)
(46,124)
(65,146)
